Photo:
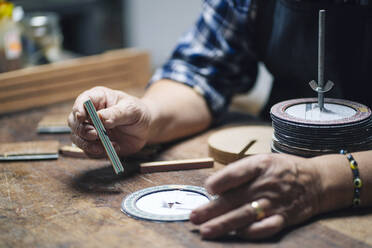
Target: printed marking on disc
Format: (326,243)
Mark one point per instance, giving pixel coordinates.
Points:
(311,111)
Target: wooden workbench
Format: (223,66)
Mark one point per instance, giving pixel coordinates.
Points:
(73,202)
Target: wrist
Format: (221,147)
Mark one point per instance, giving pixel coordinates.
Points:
(335,182)
(154,119)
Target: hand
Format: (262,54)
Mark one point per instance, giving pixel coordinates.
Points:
(286,187)
(126,119)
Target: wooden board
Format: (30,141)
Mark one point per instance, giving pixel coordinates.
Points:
(54,123)
(233,143)
(48,84)
(29,148)
(27,151)
(73,202)
(72,151)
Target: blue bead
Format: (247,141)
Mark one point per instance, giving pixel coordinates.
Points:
(356,193)
(356,202)
(350,157)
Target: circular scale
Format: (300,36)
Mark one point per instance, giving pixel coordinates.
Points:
(300,128)
(165,203)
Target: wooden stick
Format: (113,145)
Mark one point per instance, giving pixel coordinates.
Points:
(185,164)
(72,151)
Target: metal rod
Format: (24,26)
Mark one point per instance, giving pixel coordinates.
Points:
(321,49)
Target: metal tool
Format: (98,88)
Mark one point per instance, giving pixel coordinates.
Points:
(111,153)
(320,87)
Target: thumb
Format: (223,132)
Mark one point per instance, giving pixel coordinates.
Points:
(124,113)
(234,175)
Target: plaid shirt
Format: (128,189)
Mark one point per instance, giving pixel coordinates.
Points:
(216,57)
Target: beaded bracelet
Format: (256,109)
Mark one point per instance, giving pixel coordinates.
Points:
(356,178)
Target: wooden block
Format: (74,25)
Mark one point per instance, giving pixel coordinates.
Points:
(53,83)
(72,67)
(72,151)
(54,123)
(173,165)
(61,82)
(230,144)
(29,150)
(55,96)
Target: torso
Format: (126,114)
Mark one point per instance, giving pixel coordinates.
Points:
(287,38)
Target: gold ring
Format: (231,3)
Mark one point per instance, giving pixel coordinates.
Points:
(260,213)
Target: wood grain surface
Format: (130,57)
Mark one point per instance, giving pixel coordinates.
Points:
(72,202)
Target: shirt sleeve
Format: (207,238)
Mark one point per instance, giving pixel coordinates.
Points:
(216,57)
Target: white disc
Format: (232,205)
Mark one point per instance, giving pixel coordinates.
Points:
(311,111)
(165,203)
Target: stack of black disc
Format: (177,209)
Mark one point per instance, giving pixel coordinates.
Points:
(300,128)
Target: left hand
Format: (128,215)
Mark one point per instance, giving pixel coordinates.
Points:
(287,189)
(126,119)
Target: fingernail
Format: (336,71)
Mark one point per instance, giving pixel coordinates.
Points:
(78,115)
(107,122)
(193,217)
(205,231)
(208,187)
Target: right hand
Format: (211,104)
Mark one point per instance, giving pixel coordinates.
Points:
(126,119)
(287,188)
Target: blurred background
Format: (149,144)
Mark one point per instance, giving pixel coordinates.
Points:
(54,30)
(92,26)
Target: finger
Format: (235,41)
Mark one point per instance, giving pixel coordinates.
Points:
(128,112)
(84,130)
(87,132)
(72,122)
(129,145)
(263,228)
(233,175)
(221,205)
(78,109)
(91,148)
(231,221)
(116,147)
(96,95)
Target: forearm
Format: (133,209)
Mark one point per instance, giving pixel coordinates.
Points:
(337,180)
(176,111)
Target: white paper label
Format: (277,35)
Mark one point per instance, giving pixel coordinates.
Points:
(174,202)
(311,111)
